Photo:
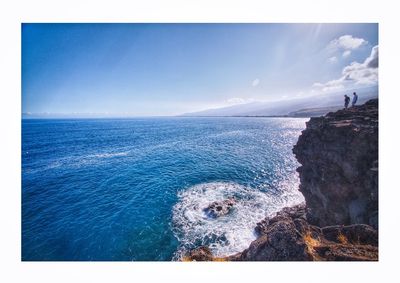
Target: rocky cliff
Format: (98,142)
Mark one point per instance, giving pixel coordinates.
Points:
(339,180)
(288,236)
(339,172)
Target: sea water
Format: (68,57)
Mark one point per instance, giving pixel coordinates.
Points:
(136,189)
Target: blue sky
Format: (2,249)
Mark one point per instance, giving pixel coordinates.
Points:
(169,69)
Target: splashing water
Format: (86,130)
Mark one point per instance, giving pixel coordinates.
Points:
(227,234)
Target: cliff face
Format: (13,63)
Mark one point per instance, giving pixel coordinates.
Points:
(339,172)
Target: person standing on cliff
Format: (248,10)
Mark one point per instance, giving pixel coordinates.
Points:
(346,101)
(355,97)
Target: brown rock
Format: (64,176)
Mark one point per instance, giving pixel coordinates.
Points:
(280,238)
(199,254)
(289,237)
(354,234)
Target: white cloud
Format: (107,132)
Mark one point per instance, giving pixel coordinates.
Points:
(332,59)
(255,82)
(332,85)
(365,73)
(239,100)
(373,60)
(347,42)
(346,53)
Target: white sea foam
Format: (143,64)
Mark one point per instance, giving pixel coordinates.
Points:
(80,161)
(227,234)
(109,154)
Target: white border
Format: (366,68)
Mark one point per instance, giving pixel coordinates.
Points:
(13,13)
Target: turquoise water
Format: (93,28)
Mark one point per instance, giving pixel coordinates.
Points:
(135,189)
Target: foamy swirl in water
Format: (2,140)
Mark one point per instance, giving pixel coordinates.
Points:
(231,233)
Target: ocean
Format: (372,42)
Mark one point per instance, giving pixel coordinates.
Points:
(135,189)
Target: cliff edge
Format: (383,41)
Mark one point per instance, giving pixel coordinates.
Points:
(339,166)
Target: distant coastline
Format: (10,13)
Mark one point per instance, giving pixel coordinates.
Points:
(311,106)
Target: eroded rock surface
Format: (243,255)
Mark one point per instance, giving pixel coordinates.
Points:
(289,237)
(199,254)
(339,172)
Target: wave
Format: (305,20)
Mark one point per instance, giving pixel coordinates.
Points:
(229,234)
(108,154)
(78,161)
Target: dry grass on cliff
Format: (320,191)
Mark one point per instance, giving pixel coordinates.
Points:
(311,243)
(342,239)
(321,249)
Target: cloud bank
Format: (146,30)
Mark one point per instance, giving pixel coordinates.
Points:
(365,73)
(239,100)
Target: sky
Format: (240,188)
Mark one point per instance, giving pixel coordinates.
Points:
(170,69)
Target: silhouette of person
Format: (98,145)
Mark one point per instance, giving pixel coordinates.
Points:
(355,97)
(346,101)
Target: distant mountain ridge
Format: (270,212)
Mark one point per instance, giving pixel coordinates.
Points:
(314,112)
(300,107)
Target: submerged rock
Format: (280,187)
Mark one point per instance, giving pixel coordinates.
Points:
(220,208)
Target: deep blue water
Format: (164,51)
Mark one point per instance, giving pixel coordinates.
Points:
(134,189)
